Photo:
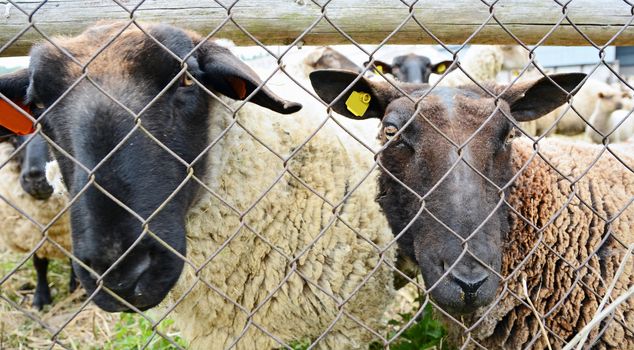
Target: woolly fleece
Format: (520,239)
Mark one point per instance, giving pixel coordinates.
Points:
(247,276)
(483,63)
(569,299)
(20,234)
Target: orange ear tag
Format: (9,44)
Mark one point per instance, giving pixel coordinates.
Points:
(14,120)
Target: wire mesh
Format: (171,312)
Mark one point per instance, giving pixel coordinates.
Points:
(565,274)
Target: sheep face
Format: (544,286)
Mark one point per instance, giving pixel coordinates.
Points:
(129,174)
(33,161)
(413,68)
(446,169)
(609,101)
(514,57)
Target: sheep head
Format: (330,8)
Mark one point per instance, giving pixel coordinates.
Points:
(446,169)
(33,159)
(413,68)
(130,112)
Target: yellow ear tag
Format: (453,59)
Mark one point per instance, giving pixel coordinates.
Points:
(378,69)
(441,69)
(358,103)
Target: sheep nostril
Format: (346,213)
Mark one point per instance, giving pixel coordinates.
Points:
(470,285)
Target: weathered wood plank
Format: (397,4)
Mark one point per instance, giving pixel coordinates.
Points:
(367,22)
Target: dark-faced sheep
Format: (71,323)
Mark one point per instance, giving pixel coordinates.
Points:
(412,68)
(281,237)
(484,62)
(479,212)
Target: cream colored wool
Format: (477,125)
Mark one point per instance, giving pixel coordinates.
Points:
(300,67)
(576,235)
(20,234)
(484,62)
(249,272)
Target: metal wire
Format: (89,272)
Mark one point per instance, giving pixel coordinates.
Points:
(540,312)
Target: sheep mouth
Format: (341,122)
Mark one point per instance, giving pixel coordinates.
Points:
(449,293)
(38,191)
(142,296)
(142,286)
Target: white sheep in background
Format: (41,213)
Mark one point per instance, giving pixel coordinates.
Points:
(584,102)
(20,234)
(623,130)
(606,117)
(484,62)
(299,64)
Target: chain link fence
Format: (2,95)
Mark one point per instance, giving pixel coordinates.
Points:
(565,277)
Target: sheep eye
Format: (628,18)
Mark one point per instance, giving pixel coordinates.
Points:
(390,131)
(511,136)
(187,80)
(39,105)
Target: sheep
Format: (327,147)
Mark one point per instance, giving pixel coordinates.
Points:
(484,62)
(620,130)
(270,254)
(603,121)
(299,66)
(477,204)
(584,102)
(326,57)
(24,186)
(411,68)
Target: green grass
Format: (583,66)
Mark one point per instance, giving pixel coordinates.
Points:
(300,344)
(92,328)
(96,329)
(134,332)
(425,332)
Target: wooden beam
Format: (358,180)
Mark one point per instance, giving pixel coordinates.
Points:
(280,22)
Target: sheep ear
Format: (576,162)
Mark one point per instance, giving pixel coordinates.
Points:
(225,73)
(531,100)
(442,67)
(13,122)
(362,100)
(381,67)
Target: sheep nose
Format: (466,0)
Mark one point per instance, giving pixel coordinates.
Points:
(125,277)
(34,175)
(619,105)
(470,286)
(469,279)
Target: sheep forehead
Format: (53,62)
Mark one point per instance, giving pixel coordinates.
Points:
(106,49)
(461,111)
